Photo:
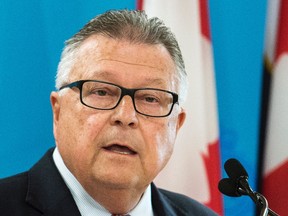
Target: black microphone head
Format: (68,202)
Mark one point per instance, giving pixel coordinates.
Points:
(234,169)
(228,187)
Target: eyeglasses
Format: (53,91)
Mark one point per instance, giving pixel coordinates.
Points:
(106,96)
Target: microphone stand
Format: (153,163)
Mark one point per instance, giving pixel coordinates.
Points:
(265,210)
(258,198)
(237,185)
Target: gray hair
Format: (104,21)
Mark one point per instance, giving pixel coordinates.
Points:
(133,26)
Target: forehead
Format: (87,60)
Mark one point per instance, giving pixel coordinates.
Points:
(101,57)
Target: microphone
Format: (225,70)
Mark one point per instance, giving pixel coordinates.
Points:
(228,187)
(234,169)
(238,174)
(237,185)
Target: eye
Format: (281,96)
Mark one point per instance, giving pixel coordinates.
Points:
(99,92)
(151,99)
(147,98)
(103,91)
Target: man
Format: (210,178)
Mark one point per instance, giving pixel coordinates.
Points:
(121,82)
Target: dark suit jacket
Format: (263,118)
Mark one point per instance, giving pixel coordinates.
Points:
(42,191)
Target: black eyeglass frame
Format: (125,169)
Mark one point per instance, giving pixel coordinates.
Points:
(124,91)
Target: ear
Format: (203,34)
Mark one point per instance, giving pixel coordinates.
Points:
(181,119)
(55,104)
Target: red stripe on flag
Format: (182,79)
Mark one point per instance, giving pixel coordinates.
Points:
(204,16)
(212,164)
(282,41)
(277,197)
(139,5)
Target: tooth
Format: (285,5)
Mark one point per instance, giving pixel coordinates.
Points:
(120,152)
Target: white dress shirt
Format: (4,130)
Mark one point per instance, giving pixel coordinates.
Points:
(86,204)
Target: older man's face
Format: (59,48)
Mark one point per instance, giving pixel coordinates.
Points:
(117,148)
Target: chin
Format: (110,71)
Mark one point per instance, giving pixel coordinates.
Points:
(115,179)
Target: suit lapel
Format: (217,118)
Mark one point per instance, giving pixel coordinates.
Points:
(160,205)
(47,191)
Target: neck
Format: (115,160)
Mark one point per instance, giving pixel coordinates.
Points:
(115,200)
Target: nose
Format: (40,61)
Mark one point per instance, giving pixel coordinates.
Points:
(125,114)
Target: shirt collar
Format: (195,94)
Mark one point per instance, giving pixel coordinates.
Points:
(86,204)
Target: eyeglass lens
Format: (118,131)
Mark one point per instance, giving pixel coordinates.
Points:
(152,102)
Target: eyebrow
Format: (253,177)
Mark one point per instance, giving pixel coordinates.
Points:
(156,81)
(149,81)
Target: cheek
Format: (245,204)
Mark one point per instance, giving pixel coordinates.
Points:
(168,140)
(78,139)
(73,129)
(163,145)
(93,125)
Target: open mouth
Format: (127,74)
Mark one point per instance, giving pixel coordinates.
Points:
(120,149)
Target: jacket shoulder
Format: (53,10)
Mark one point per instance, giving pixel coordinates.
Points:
(13,191)
(185,205)
(16,183)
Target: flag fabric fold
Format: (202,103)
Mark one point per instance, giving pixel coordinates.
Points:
(275,166)
(194,168)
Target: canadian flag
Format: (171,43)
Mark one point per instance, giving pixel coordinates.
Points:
(194,168)
(275,186)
